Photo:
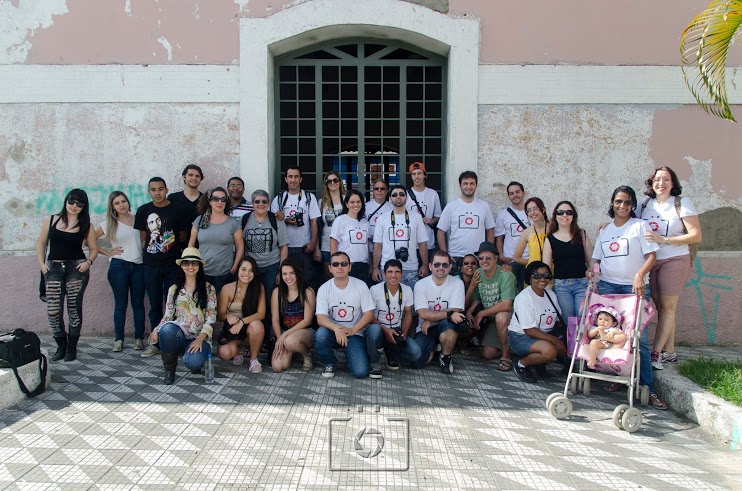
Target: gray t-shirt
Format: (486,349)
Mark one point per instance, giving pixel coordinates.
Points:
(262,243)
(216,244)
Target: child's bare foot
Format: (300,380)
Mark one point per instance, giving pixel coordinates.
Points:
(591,363)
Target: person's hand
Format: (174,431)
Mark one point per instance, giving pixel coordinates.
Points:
(279,350)
(475,278)
(232,319)
(601,226)
(317,255)
(457,317)
(44,269)
(425,326)
(281,342)
(506,268)
(309,249)
(117,251)
(232,270)
(341,336)
(389,335)
(638,287)
(280,216)
(376,275)
(196,345)
(278,277)
(153,337)
(82,267)
(236,327)
(559,345)
(506,259)
(652,236)
(427,220)
(478,320)
(472,323)
(424,271)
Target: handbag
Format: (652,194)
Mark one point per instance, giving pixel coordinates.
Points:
(19,348)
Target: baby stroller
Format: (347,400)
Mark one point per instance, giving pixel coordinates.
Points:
(619,365)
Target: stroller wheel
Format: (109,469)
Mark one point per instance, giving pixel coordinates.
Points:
(560,407)
(632,420)
(551,398)
(573,385)
(644,395)
(618,415)
(586,387)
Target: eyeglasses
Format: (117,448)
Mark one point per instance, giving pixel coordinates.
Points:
(538,276)
(189,263)
(661,179)
(338,264)
(486,258)
(236,186)
(222,199)
(441,265)
(400,194)
(379,189)
(619,202)
(470,263)
(569,213)
(334,180)
(532,210)
(260,202)
(73,201)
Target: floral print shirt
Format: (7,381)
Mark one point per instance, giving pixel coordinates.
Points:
(184,310)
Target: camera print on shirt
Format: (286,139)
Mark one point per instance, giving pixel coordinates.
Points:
(343,313)
(422,209)
(358,236)
(258,240)
(391,318)
(469,220)
(657,224)
(160,241)
(399,233)
(547,319)
(438,305)
(516,229)
(615,247)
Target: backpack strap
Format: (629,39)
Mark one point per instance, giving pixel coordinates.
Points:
(517,218)
(43,367)
(411,193)
(677,210)
(271,217)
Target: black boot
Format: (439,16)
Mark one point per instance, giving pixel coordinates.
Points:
(61,348)
(170,362)
(71,348)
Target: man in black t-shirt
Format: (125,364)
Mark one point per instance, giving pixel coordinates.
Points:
(188,199)
(163,227)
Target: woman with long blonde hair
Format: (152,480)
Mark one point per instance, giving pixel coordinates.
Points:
(331,207)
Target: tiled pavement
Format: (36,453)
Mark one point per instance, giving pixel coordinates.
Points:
(108,423)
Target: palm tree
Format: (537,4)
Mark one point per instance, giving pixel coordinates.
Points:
(703,47)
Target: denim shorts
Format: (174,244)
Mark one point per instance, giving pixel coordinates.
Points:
(520,343)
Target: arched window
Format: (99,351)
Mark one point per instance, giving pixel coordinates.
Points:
(384,99)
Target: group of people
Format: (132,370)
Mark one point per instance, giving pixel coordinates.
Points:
(398,274)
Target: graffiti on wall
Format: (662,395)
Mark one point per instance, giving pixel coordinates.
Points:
(53,201)
(696,283)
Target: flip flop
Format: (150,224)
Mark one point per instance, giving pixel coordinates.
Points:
(506,364)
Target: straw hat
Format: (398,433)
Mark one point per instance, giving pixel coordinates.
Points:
(190,254)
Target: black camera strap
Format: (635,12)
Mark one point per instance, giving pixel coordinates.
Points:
(394,225)
(388,302)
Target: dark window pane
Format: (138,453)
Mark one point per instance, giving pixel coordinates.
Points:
(349,144)
(373,109)
(288,145)
(415,92)
(373,127)
(306,92)
(307,127)
(288,91)
(330,92)
(348,74)
(414,127)
(433,92)
(331,109)
(288,127)
(433,127)
(433,181)
(370,49)
(307,162)
(432,145)
(331,127)
(391,74)
(349,109)
(288,110)
(391,109)
(348,92)
(330,145)
(306,110)
(306,74)
(433,110)
(373,145)
(403,54)
(415,73)
(414,109)
(391,127)
(391,92)
(372,74)
(415,158)
(351,49)
(330,74)
(414,145)
(287,73)
(349,127)
(433,163)
(286,162)
(433,74)
(392,144)
(307,145)
(373,92)
(317,55)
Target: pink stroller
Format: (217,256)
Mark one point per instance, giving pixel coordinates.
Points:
(619,365)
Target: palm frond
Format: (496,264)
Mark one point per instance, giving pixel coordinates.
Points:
(704,46)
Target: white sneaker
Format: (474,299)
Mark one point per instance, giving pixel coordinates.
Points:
(151,350)
(255,366)
(308,365)
(238,360)
(118,346)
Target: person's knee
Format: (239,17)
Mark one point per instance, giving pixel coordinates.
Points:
(549,352)
(322,336)
(227,351)
(502,321)
(360,370)
(490,352)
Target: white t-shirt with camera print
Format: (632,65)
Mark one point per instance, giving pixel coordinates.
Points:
(450,295)
(530,310)
(663,219)
(345,306)
(621,251)
(297,203)
(430,207)
(391,316)
(352,237)
(466,224)
(400,235)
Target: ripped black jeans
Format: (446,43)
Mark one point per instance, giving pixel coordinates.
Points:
(64,280)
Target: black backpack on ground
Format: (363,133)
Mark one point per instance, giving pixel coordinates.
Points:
(20,348)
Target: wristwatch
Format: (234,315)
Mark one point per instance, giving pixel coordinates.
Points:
(667,240)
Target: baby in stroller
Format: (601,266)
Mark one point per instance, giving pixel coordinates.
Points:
(606,334)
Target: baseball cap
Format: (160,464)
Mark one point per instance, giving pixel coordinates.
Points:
(418,165)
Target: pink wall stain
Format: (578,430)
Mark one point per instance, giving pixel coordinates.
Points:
(688,131)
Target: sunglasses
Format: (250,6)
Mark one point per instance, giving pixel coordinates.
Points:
(338,264)
(260,202)
(222,199)
(189,263)
(569,213)
(73,201)
(334,180)
(400,194)
(619,202)
(486,258)
(379,189)
(538,276)
(467,263)
(441,265)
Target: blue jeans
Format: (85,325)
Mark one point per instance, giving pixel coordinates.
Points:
(219,281)
(157,280)
(127,278)
(428,342)
(172,340)
(360,352)
(646,375)
(268,274)
(409,354)
(570,293)
(409,278)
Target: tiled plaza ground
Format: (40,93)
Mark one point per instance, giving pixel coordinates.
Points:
(109,423)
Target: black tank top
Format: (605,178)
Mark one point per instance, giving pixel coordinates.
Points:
(65,246)
(568,258)
(292,314)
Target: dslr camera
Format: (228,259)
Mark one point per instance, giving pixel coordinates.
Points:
(402,254)
(400,340)
(299,219)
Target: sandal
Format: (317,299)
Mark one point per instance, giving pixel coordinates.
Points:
(656,403)
(506,364)
(614,387)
